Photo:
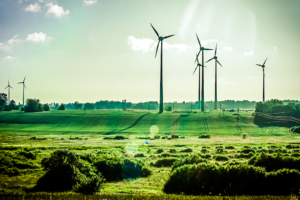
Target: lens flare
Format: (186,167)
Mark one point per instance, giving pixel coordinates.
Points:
(153,130)
(131,148)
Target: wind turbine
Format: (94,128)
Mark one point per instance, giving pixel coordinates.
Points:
(8,86)
(263,68)
(216,62)
(198,65)
(160,40)
(23,87)
(202,91)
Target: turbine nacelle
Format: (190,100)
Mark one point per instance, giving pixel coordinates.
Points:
(215,57)
(160,38)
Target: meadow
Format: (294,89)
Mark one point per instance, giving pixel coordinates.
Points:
(84,132)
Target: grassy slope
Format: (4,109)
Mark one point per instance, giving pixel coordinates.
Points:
(120,122)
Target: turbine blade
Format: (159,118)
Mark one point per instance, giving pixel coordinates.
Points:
(198,40)
(169,36)
(11,87)
(219,63)
(25,86)
(20,82)
(216,49)
(5,88)
(195,70)
(208,49)
(259,65)
(197,55)
(157,48)
(154,30)
(24,79)
(265,61)
(209,60)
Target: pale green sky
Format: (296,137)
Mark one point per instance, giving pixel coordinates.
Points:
(91,50)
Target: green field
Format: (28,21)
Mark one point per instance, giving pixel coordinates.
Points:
(135,123)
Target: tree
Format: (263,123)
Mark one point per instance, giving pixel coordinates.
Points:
(62,107)
(46,107)
(13,105)
(89,106)
(168,108)
(3,102)
(33,105)
(77,105)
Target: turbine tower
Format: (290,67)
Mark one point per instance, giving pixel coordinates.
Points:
(23,87)
(202,90)
(216,62)
(8,86)
(198,65)
(263,68)
(160,40)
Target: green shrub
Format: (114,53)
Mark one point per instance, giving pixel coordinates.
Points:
(204,136)
(188,150)
(242,179)
(245,155)
(33,105)
(156,137)
(163,137)
(182,137)
(159,150)
(66,171)
(219,150)
(191,159)
(144,138)
(204,150)
(146,171)
(165,155)
(295,155)
(295,129)
(174,136)
(28,155)
(229,147)
(164,162)
(118,137)
(271,162)
(220,157)
(289,146)
(173,151)
(207,156)
(61,107)
(46,107)
(168,108)
(139,155)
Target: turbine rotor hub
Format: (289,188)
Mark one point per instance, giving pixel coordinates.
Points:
(202,48)
(215,57)
(160,38)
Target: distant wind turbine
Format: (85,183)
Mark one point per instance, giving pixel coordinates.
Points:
(198,65)
(263,68)
(216,62)
(23,87)
(160,40)
(202,92)
(8,86)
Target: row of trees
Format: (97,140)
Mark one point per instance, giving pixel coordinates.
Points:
(4,106)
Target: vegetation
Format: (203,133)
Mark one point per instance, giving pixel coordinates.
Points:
(61,107)
(33,105)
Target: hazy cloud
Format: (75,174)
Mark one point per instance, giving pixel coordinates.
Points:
(13,40)
(38,37)
(89,2)
(146,44)
(33,8)
(56,10)
(9,58)
(228,48)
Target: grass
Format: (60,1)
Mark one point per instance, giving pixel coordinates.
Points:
(85,133)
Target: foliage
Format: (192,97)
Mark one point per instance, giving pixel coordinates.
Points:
(118,137)
(62,107)
(66,171)
(46,107)
(295,129)
(172,151)
(220,157)
(3,102)
(204,136)
(13,105)
(168,108)
(89,106)
(164,162)
(139,155)
(190,159)
(188,150)
(174,136)
(241,179)
(245,155)
(33,105)
(160,150)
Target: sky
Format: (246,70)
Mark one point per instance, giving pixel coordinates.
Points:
(92,50)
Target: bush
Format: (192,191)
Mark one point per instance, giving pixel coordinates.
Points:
(182,137)
(173,151)
(165,155)
(66,171)
(118,137)
(204,136)
(247,150)
(164,162)
(33,105)
(163,137)
(191,159)
(168,108)
(62,107)
(46,107)
(188,150)
(174,136)
(273,163)
(220,157)
(156,137)
(229,147)
(144,138)
(207,156)
(295,129)
(139,155)
(146,171)
(242,179)
(159,150)
(245,155)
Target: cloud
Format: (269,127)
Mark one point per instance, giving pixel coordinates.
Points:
(272,49)
(33,8)
(248,53)
(56,10)
(38,37)
(205,42)
(146,44)
(13,40)
(9,58)
(89,2)
(228,48)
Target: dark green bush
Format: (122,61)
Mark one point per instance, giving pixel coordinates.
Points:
(289,146)
(33,105)
(175,136)
(204,136)
(220,157)
(159,150)
(245,155)
(173,151)
(271,162)
(144,138)
(242,179)
(62,107)
(156,137)
(191,159)
(146,171)
(28,155)
(139,155)
(118,137)
(66,171)
(168,108)
(46,107)
(164,162)
(165,155)
(182,137)
(163,137)
(247,150)
(188,150)
(229,147)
